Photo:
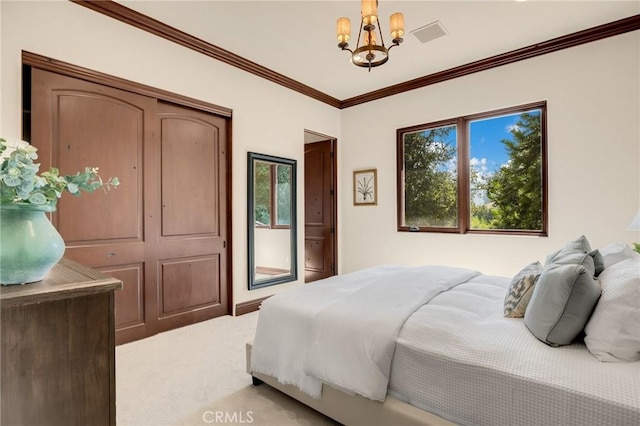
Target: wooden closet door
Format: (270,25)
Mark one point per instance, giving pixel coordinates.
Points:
(191,252)
(77,124)
(162,232)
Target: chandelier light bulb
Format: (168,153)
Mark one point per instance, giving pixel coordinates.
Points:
(343,30)
(369,38)
(396,24)
(369,11)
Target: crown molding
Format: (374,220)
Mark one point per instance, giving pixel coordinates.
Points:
(124,14)
(129,16)
(611,29)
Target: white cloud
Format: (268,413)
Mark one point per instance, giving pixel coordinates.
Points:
(475,161)
(452,166)
(480,165)
(507,164)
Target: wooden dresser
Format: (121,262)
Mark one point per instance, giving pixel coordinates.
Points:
(58,349)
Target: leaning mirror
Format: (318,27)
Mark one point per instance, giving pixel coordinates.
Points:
(271,216)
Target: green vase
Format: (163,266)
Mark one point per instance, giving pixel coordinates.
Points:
(29,243)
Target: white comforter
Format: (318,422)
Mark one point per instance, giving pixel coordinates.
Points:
(342,330)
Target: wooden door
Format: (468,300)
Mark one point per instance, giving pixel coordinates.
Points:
(76,124)
(190,250)
(170,262)
(320,211)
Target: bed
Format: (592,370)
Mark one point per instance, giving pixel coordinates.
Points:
(453,358)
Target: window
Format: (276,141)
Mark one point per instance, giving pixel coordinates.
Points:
(272,195)
(484,173)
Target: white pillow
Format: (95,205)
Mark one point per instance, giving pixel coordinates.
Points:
(613,332)
(616,252)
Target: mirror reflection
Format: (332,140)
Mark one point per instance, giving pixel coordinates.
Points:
(272,220)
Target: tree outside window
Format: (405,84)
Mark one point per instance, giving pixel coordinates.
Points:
(480,173)
(283,195)
(431,177)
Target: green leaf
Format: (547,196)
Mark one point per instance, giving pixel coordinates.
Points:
(11,181)
(37,198)
(19,179)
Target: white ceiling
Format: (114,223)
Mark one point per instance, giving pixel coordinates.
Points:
(297,38)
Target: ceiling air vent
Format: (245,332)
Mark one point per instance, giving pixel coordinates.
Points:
(429,32)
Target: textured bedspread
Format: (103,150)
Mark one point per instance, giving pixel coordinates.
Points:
(342,330)
(459,358)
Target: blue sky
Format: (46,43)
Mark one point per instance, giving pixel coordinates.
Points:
(487,152)
(486,136)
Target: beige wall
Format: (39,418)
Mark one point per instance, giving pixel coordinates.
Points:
(273,248)
(594,157)
(267,118)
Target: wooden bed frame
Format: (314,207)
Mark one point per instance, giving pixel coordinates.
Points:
(353,409)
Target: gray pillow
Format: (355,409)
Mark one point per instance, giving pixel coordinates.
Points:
(520,290)
(576,252)
(580,245)
(561,304)
(598,261)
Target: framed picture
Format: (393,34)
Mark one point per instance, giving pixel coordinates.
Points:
(365,188)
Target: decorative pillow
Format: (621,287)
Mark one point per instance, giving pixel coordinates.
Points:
(580,244)
(561,304)
(577,252)
(617,252)
(520,290)
(613,332)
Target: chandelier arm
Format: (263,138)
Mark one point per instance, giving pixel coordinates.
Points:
(396,42)
(347,48)
(380,31)
(359,33)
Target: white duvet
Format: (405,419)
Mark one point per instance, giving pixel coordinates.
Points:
(342,330)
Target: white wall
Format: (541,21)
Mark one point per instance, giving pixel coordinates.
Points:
(593,107)
(267,118)
(273,248)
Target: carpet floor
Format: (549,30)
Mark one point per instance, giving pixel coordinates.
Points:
(195,375)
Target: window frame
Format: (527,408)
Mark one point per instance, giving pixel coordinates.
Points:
(275,197)
(273,200)
(463,172)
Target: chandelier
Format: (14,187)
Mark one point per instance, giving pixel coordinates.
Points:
(370,53)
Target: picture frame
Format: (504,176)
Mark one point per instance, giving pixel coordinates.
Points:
(365,187)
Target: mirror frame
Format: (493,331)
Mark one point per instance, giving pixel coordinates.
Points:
(252,157)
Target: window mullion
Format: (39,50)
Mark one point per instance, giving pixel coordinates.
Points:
(463,176)
(273,195)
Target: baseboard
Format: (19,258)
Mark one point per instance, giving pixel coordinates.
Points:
(250,306)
